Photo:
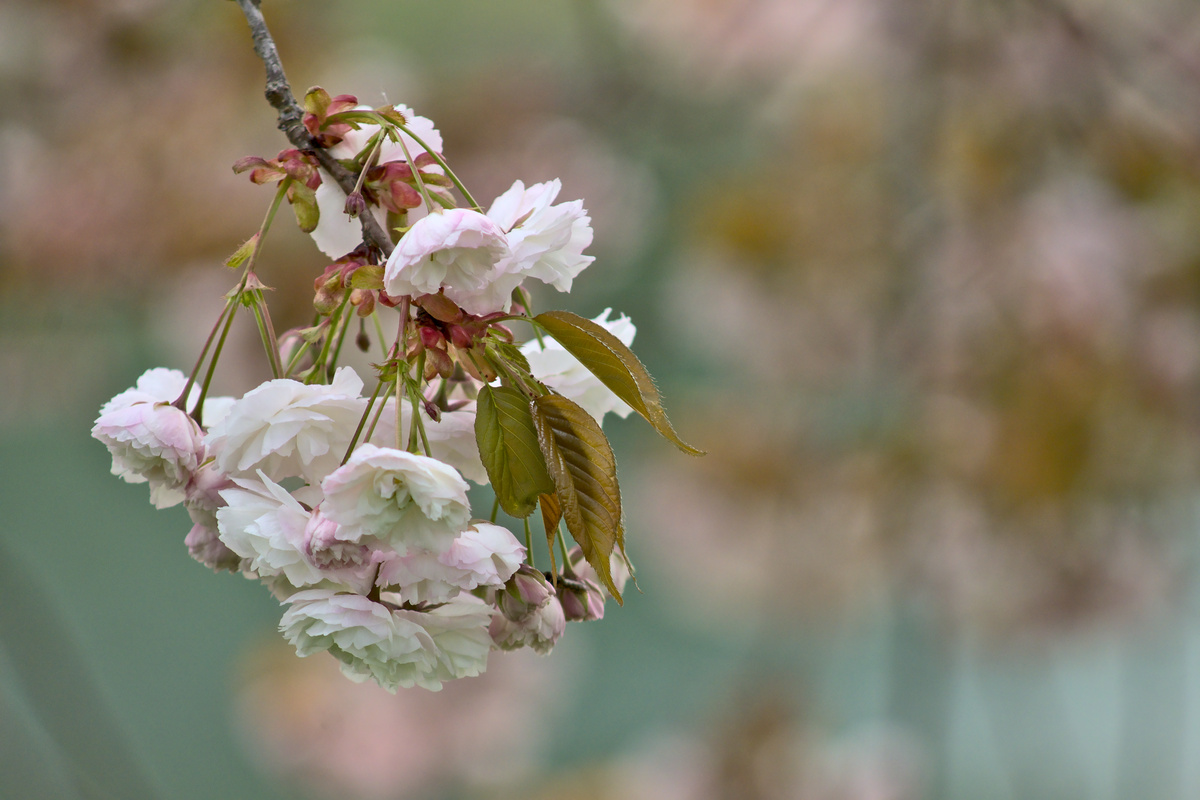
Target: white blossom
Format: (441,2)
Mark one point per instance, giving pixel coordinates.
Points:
(287,428)
(482,555)
(265,525)
(337,233)
(565,374)
(368,638)
(459,630)
(451,438)
(459,251)
(150,440)
(547,241)
(397,499)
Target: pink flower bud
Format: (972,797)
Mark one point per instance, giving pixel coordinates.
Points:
(525,591)
(581,593)
(431,337)
(204,546)
(581,600)
(460,336)
(540,629)
(327,548)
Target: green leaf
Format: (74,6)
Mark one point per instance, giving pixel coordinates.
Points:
(368,276)
(615,365)
(508,445)
(242,253)
(316,101)
(585,480)
(304,204)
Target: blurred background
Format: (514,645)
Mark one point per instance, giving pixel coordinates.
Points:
(923,277)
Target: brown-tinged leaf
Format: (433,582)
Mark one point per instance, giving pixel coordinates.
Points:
(551,514)
(615,366)
(585,480)
(508,446)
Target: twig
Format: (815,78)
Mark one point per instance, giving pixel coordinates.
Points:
(291,121)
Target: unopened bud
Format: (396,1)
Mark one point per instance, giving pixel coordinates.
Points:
(328,550)
(431,337)
(581,600)
(326,302)
(582,594)
(540,629)
(460,336)
(525,591)
(355,204)
(329,290)
(362,341)
(437,363)
(363,300)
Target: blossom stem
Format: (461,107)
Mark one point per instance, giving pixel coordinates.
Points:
(362,422)
(181,401)
(334,319)
(562,545)
(231,303)
(272,341)
(417,174)
(442,163)
(400,350)
(414,397)
(442,398)
(378,414)
(295,359)
(495,508)
(529,544)
(212,363)
(267,335)
(337,351)
(528,316)
(362,175)
(379,332)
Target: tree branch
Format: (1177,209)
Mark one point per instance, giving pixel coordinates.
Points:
(291,121)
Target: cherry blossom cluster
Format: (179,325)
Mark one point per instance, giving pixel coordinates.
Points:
(352,505)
